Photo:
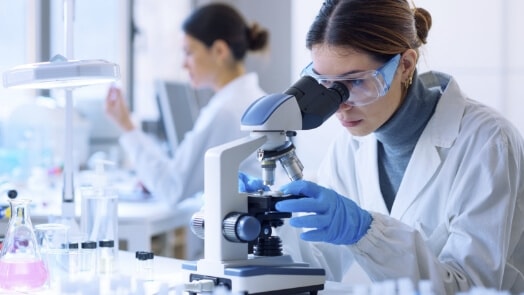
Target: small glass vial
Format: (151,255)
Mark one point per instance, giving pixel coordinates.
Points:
(73,256)
(88,257)
(144,265)
(106,256)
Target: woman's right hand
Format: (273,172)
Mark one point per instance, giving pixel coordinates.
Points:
(117,110)
(249,184)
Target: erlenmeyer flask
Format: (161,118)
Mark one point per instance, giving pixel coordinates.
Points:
(21,266)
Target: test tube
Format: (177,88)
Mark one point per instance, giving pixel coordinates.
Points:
(106,256)
(88,257)
(144,265)
(73,256)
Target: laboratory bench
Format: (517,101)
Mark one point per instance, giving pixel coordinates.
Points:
(167,279)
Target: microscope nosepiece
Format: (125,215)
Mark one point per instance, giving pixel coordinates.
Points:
(288,159)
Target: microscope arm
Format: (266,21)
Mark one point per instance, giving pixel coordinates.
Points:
(222,196)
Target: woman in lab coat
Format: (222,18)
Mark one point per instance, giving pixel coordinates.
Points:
(216,41)
(422,182)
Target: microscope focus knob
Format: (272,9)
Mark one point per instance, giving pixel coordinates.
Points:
(197,224)
(240,227)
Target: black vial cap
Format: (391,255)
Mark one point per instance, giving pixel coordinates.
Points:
(72,245)
(143,255)
(12,194)
(89,245)
(106,243)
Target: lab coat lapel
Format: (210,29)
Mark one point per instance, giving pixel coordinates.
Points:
(416,177)
(366,162)
(440,133)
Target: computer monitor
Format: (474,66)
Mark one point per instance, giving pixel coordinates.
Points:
(178,109)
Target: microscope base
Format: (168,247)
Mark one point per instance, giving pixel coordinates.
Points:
(264,279)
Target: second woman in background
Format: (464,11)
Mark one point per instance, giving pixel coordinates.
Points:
(216,41)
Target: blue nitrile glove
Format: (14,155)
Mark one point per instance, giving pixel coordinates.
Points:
(249,184)
(337,220)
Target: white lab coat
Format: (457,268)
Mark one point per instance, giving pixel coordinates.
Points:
(458,215)
(182,176)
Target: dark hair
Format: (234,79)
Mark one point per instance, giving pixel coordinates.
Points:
(381,28)
(217,21)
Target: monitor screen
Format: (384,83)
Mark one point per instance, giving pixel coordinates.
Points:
(178,109)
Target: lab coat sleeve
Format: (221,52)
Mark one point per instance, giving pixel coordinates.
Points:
(151,163)
(169,179)
(392,249)
(136,142)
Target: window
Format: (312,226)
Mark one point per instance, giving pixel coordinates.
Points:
(15,37)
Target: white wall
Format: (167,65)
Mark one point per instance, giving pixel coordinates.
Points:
(478,42)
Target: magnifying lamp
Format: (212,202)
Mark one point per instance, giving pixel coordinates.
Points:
(60,72)
(67,74)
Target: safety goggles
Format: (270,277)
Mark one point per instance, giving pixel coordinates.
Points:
(364,87)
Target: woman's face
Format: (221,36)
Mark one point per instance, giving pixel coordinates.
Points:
(199,62)
(358,120)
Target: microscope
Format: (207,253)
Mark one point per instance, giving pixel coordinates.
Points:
(241,252)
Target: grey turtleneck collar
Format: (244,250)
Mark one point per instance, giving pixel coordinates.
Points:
(399,135)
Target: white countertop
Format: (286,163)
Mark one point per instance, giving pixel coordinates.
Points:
(168,278)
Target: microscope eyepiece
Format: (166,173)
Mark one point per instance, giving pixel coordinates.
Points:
(316,102)
(341,90)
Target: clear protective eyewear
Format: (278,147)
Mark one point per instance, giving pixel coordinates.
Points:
(364,87)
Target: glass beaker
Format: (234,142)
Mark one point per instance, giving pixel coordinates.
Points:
(52,240)
(21,266)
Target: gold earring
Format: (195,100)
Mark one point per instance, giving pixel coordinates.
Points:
(408,81)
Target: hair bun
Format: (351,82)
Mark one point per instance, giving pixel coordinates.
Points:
(257,37)
(422,23)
